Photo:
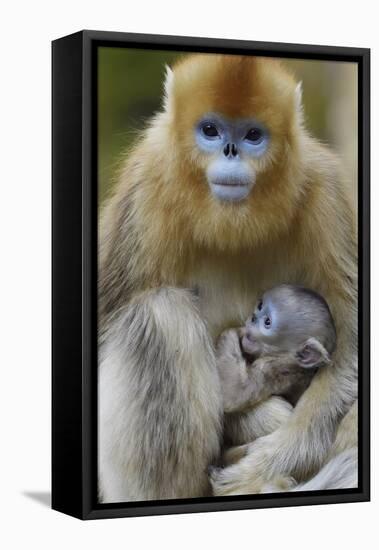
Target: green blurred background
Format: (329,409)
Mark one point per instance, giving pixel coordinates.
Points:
(130,90)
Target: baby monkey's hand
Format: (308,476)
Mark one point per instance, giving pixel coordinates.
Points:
(232,368)
(229,344)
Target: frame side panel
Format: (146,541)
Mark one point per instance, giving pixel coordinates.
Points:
(67,275)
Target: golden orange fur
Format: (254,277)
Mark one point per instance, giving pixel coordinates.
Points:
(298,194)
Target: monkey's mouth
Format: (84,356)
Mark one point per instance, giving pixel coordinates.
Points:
(249,348)
(230,190)
(230,184)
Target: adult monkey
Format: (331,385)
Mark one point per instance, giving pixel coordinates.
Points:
(225,194)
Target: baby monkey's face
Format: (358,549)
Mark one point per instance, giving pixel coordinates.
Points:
(283,319)
(262,332)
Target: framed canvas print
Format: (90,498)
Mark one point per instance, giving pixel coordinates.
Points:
(210,275)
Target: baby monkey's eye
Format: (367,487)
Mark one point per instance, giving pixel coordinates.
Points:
(267,322)
(254,135)
(260,305)
(210,130)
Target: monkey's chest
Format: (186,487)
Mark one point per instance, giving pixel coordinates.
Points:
(225,297)
(228,289)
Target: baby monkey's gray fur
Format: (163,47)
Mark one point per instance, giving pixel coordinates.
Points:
(288,337)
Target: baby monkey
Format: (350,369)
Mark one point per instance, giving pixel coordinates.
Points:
(290,335)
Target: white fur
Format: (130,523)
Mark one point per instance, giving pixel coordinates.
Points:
(340,473)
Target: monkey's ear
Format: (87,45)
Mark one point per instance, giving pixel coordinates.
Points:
(299,100)
(168,87)
(299,95)
(312,354)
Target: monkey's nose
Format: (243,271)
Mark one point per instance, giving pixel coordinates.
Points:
(230,150)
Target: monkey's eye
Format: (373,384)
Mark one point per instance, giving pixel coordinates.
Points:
(210,130)
(253,319)
(267,322)
(254,135)
(260,305)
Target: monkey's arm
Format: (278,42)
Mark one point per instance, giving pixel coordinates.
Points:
(240,429)
(250,412)
(245,385)
(239,390)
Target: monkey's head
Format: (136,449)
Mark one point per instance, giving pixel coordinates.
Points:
(236,121)
(291,319)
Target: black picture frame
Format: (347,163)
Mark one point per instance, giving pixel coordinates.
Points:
(74,333)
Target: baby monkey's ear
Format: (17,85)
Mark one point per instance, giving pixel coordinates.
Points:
(312,354)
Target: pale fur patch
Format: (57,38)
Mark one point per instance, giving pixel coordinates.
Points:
(168,88)
(159,401)
(340,473)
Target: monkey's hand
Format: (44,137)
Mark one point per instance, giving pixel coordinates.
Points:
(251,473)
(237,389)
(228,346)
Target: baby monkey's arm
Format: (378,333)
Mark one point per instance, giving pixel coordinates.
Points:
(244,384)
(237,387)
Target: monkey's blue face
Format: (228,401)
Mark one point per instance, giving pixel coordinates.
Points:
(232,146)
